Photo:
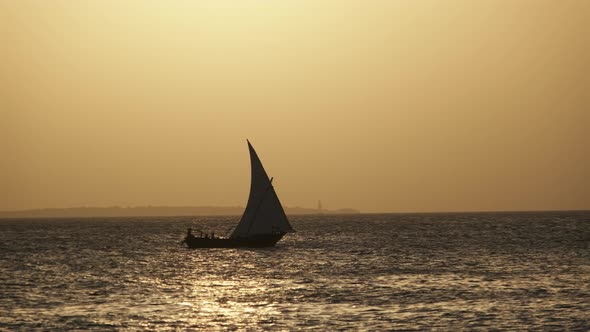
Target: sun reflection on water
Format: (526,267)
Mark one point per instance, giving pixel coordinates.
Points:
(418,273)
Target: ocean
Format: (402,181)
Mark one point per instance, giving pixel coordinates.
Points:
(444,271)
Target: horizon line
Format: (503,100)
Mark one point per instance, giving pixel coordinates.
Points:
(296,207)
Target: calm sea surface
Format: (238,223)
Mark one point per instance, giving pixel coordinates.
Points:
(509,271)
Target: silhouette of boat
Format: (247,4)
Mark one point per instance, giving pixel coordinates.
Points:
(263,222)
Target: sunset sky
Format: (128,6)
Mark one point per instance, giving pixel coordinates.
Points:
(382,106)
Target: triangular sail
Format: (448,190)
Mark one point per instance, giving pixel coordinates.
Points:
(264,213)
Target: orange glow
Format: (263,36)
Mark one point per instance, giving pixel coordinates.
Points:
(379,106)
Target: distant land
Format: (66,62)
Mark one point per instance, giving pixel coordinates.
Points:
(153,211)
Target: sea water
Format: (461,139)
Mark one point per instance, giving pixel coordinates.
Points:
(509,271)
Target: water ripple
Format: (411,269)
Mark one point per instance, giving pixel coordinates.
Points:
(361,272)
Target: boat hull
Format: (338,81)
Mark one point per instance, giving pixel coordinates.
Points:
(256,241)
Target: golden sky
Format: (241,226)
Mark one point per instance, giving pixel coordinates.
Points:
(383,106)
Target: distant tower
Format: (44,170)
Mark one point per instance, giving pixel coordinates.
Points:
(320,211)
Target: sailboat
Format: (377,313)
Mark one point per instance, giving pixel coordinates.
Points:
(263,222)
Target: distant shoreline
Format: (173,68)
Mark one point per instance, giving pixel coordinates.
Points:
(213,211)
(153,211)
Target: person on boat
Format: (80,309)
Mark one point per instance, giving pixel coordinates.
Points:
(189,236)
(212,235)
(189,233)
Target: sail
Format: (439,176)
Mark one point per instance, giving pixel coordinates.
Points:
(264,213)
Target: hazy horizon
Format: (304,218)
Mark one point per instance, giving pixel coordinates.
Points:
(334,209)
(382,106)
(150,206)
